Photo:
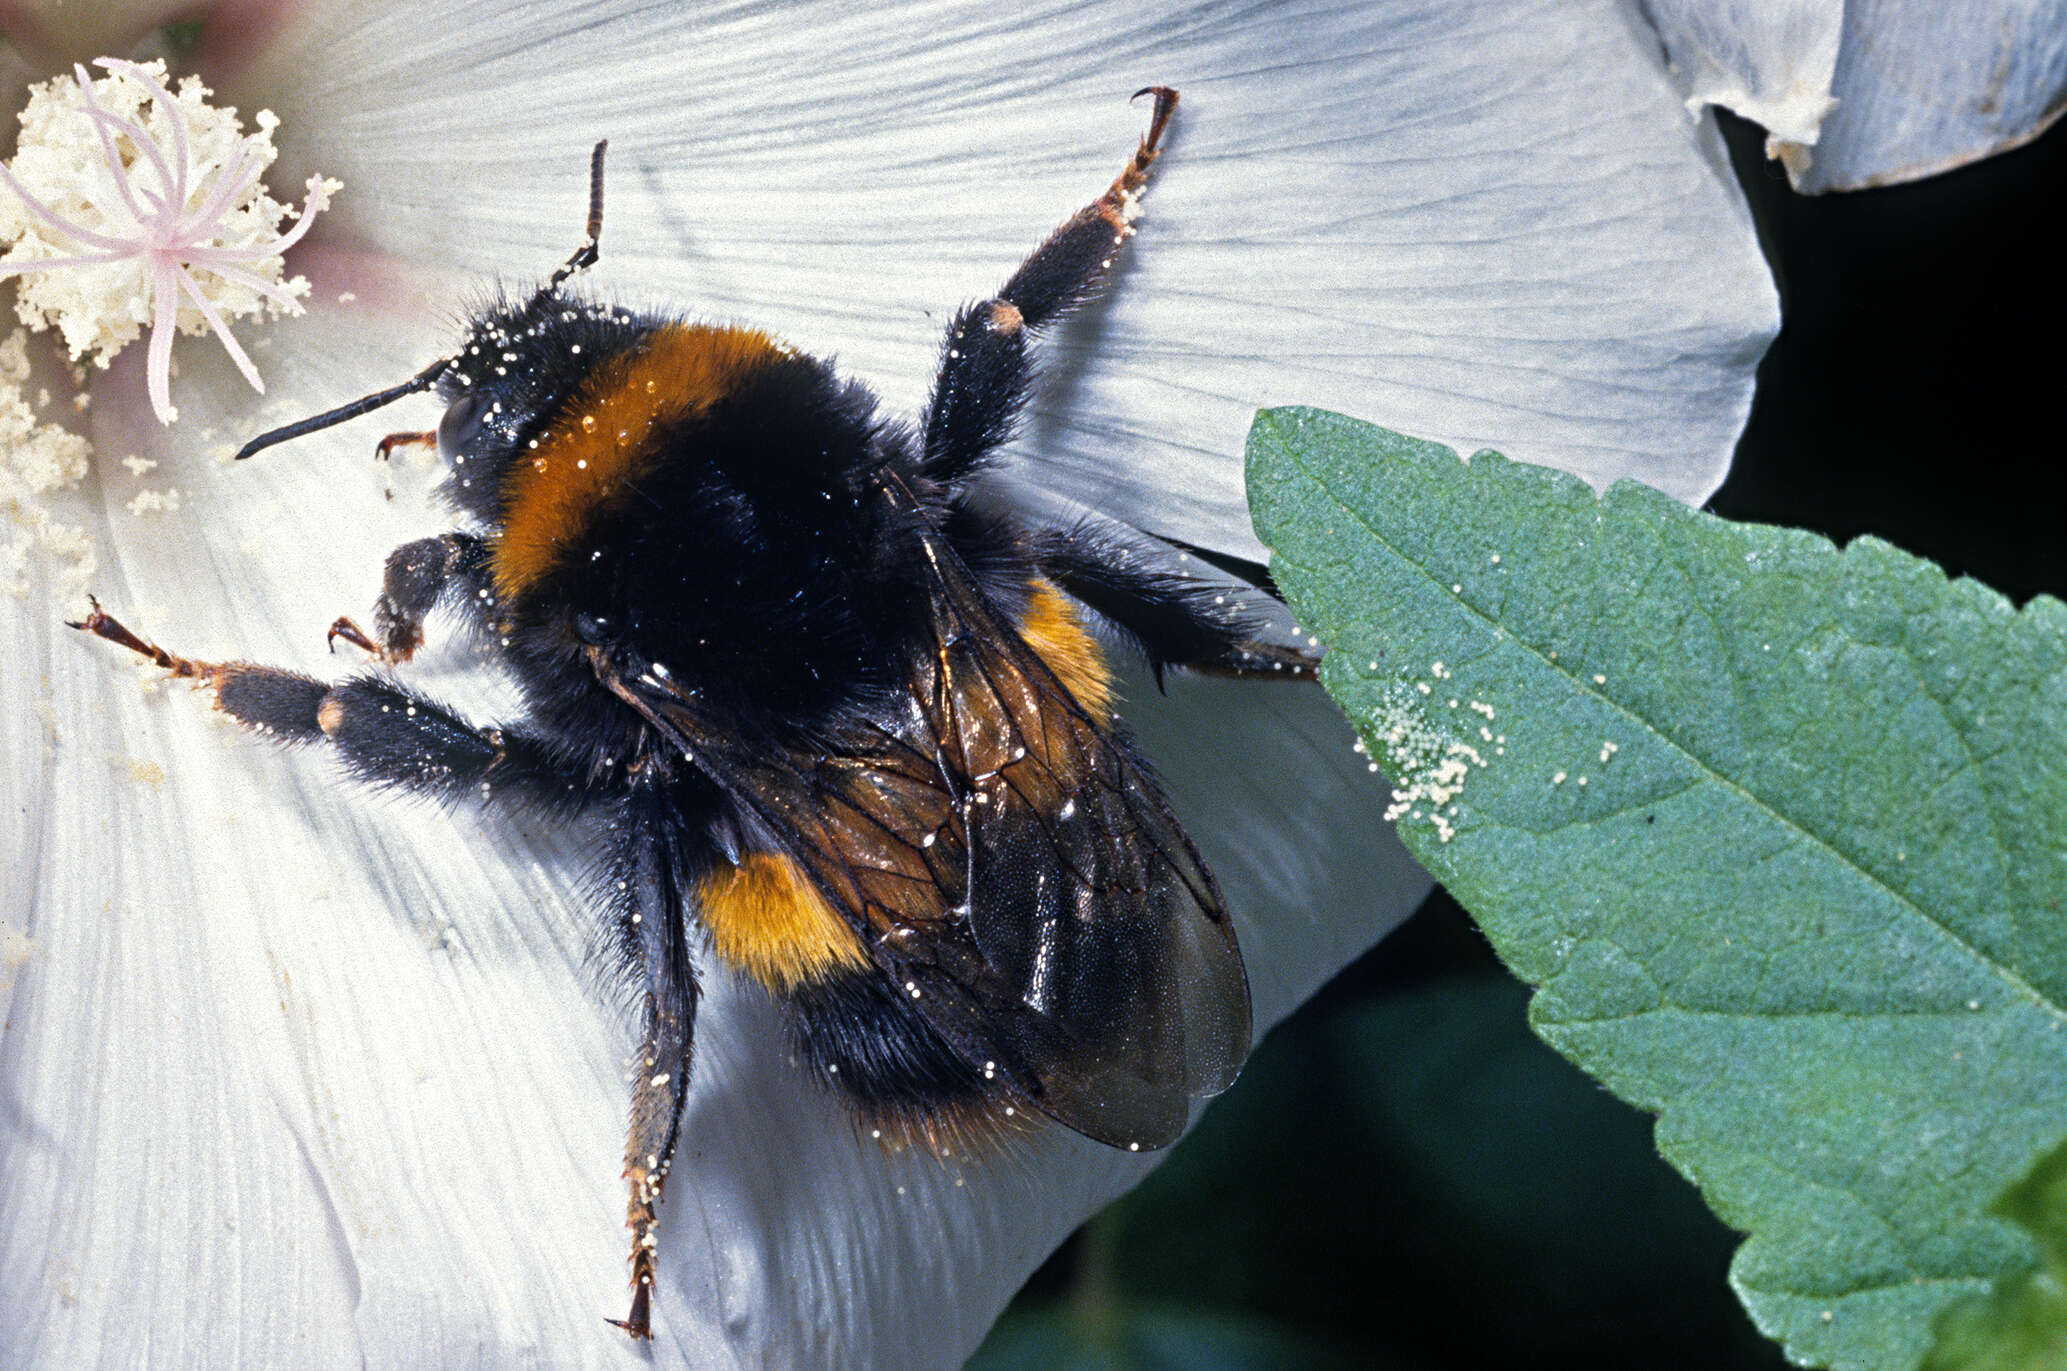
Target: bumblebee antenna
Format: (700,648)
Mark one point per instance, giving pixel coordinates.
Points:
(423,380)
(584,257)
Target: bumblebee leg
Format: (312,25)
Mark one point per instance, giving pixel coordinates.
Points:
(422,438)
(419,576)
(389,736)
(1175,620)
(650,873)
(384,734)
(982,379)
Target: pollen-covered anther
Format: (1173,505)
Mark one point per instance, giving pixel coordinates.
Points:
(134,205)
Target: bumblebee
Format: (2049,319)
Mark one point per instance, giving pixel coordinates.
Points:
(828,717)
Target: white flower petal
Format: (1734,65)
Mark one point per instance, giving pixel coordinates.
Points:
(300,1076)
(1484,223)
(1875,92)
(1771,63)
(347,1090)
(1922,89)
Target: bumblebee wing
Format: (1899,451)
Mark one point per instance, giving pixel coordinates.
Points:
(1113,958)
(1013,866)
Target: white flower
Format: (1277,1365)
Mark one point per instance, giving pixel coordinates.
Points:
(293,1075)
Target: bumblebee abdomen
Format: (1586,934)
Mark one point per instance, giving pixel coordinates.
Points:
(1054,629)
(611,431)
(766,918)
(906,1082)
(847,1023)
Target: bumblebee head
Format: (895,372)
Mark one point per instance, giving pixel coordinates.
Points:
(512,388)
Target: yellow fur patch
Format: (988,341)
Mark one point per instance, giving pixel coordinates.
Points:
(605,439)
(1055,633)
(766,918)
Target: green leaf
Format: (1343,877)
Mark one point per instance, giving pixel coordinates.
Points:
(2022,1326)
(1775,830)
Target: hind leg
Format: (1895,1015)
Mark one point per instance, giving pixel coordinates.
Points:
(984,369)
(655,857)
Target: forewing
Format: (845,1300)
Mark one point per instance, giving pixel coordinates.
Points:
(1013,866)
(1085,896)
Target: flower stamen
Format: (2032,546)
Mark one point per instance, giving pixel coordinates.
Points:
(134,249)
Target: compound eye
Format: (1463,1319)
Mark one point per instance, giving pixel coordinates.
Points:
(462,423)
(592,629)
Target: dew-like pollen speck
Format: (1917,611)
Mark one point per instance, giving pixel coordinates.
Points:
(1429,765)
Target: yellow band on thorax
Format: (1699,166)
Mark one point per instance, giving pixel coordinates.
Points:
(605,439)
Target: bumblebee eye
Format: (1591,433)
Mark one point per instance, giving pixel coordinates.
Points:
(592,629)
(462,422)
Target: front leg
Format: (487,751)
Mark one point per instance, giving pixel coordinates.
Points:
(384,734)
(983,375)
(419,576)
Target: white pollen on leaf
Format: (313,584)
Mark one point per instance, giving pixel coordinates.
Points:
(1429,765)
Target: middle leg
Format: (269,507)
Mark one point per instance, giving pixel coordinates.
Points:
(1174,619)
(658,851)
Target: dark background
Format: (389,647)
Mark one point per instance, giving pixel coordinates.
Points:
(1404,1176)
